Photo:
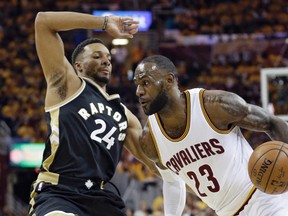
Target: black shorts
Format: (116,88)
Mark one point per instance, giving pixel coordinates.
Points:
(93,202)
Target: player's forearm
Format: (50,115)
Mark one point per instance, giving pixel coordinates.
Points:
(260,120)
(174,193)
(63,21)
(139,155)
(278,129)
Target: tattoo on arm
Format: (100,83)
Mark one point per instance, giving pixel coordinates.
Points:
(260,120)
(232,109)
(230,103)
(257,119)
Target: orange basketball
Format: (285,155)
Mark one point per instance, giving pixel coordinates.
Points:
(268,167)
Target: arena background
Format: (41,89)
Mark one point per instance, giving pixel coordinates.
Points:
(239,46)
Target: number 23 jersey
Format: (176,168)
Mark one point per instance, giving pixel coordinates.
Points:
(212,162)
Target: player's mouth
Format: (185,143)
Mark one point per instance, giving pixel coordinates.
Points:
(104,71)
(143,102)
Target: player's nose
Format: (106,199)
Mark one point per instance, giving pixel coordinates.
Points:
(139,91)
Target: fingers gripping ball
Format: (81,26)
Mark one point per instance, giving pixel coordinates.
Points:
(268,167)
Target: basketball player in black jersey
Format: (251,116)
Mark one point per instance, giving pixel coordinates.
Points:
(87,128)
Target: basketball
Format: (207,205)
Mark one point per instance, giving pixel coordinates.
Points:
(268,167)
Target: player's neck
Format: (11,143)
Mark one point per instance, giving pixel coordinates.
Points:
(175,112)
(174,121)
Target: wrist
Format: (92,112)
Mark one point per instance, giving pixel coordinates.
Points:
(105,23)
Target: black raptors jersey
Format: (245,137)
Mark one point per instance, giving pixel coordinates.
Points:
(85,134)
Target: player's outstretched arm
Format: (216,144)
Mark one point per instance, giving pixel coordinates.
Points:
(49,45)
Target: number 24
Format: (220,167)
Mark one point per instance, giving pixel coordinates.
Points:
(108,138)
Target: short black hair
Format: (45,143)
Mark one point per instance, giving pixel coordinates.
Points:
(163,63)
(80,47)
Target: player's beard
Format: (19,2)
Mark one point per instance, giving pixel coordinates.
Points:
(158,103)
(94,75)
(100,79)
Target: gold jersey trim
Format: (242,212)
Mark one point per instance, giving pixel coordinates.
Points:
(33,193)
(78,92)
(67,100)
(54,138)
(252,191)
(208,118)
(104,93)
(188,120)
(50,177)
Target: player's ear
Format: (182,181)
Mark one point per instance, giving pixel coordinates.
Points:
(78,67)
(170,79)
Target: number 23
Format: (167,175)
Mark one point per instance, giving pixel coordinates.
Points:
(205,170)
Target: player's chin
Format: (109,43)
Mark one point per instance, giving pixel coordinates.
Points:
(103,79)
(144,107)
(106,76)
(146,110)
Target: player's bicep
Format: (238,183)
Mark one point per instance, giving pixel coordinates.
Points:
(49,47)
(234,110)
(224,109)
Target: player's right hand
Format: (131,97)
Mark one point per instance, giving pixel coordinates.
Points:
(121,27)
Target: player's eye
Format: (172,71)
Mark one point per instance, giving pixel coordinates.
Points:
(145,82)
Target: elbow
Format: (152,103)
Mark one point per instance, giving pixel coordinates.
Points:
(244,107)
(41,19)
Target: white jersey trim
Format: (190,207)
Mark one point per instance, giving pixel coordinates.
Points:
(58,213)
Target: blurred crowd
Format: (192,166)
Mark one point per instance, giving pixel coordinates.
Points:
(22,86)
(194,17)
